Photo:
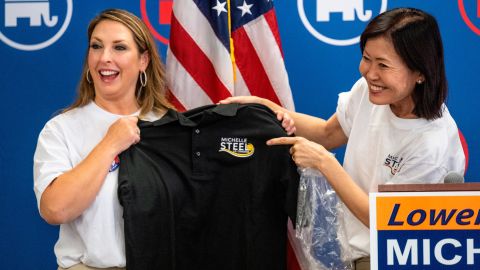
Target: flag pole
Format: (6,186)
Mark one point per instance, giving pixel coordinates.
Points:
(232,54)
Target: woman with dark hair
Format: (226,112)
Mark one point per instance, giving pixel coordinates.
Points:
(76,160)
(394,121)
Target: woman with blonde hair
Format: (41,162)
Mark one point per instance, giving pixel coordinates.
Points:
(76,159)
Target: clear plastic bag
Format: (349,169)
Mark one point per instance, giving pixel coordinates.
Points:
(318,228)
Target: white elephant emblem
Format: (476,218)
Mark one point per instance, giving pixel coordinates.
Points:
(33,10)
(346,7)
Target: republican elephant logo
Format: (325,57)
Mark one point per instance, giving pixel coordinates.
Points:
(35,11)
(320,18)
(31,25)
(348,8)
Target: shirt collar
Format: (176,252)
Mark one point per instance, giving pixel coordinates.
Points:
(197,116)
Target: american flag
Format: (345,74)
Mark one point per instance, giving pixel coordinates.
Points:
(223,48)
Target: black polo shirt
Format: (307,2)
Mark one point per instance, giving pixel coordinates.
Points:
(202,190)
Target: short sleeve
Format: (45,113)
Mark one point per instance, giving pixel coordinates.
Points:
(432,155)
(51,158)
(349,104)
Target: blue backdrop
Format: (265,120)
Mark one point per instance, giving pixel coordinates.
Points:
(42,55)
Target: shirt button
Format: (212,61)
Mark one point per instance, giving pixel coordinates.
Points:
(197,153)
(197,131)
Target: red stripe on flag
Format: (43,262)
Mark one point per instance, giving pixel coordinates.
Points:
(292,261)
(175,102)
(251,67)
(195,62)
(272,23)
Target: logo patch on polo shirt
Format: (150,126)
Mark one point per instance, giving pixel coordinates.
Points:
(237,147)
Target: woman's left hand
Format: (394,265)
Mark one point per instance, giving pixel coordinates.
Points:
(287,122)
(305,153)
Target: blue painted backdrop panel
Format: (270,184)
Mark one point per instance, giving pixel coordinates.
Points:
(36,83)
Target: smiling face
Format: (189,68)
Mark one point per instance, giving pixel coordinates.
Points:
(114,62)
(390,81)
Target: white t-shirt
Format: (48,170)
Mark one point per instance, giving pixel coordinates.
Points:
(96,237)
(385,149)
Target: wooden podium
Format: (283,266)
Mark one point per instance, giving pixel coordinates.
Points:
(429,187)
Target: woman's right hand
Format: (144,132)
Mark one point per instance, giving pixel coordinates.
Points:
(122,134)
(74,191)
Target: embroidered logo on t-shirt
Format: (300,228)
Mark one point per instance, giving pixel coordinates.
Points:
(115,164)
(394,163)
(237,147)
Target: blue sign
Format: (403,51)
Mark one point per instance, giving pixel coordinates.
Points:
(43,45)
(425,230)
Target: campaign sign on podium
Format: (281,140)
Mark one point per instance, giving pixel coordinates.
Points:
(425,230)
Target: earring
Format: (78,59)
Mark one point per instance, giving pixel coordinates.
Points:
(419,81)
(86,75)
(143,78)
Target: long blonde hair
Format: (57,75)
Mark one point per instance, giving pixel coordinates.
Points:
(152,97)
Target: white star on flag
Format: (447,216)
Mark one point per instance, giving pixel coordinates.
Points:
(220,7)
(245,8)
(217,54)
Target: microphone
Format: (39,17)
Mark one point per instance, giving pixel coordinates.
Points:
(453,178)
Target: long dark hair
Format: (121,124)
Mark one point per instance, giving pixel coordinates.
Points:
(416,38)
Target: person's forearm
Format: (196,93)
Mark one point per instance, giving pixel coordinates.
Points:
(307,126)
(348,191)
(72,192)
(328,133)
